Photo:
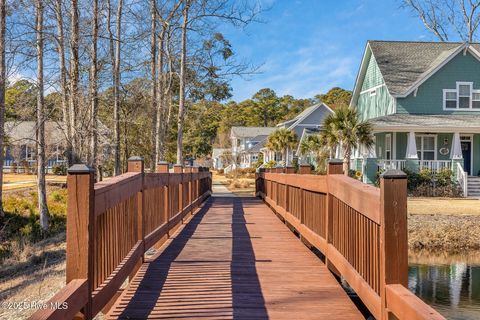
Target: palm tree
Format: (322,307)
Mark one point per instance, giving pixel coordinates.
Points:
(345,128)
(282,140)
(314,145)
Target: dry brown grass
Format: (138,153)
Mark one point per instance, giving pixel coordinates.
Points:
(35,278)
(444,206)
(448,233)
(13,181)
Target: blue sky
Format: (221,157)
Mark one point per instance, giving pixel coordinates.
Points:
(305,47)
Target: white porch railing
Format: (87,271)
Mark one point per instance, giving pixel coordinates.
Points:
(436,165)
(433,165)
(392,164)
(462,178)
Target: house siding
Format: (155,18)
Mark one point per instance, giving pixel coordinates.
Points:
(381,104)
(429,99)
(373,76)
(476,154)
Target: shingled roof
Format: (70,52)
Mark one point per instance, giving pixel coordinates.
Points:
(250,132)
(404,63)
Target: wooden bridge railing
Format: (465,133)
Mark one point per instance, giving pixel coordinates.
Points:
(361,230)
(111,224)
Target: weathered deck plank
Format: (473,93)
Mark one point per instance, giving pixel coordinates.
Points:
(234,260)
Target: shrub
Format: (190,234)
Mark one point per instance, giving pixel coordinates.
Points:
(59,169)
(427,183)
(271,164)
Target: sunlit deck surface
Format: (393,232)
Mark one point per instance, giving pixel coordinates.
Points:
(234,260)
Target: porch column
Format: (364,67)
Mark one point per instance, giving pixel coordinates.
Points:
(370,166)
(411,157)
(456,153)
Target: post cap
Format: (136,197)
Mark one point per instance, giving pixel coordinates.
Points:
(393,174)
(163,162)
(135,158)
(178,165)
(79,168)
(335,161)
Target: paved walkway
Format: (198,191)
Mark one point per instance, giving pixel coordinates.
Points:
(234,260)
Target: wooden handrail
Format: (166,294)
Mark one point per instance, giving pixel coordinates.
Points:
(111,224)
(360,229)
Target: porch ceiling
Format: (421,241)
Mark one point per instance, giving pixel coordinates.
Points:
(426,123)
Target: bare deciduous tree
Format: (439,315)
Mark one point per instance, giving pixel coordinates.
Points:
(2,96)
(445,18)
(41,158)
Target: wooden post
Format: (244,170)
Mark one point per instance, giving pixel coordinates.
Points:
(305,169)
(290,170)
(162,167)
(393,233)
(335,166)
(136,164)
(178,168)
(81,228)
(188,173)
(195,181)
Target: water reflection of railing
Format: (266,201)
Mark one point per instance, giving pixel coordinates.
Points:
(453,289)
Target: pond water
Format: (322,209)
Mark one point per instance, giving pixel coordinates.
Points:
(449,283)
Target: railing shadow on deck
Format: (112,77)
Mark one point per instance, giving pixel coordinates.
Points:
(243,267)
(155,274)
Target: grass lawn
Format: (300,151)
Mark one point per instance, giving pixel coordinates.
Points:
(443,206)
(12,181)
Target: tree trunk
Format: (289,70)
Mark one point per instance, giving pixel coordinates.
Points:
(94,91)
(347,153)
(161,98)
(42,192)
(63,79)
(153,75)
(181,104)
(2,96)
(115,58)
(74,77)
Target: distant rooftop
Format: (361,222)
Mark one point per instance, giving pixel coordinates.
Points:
(250,132)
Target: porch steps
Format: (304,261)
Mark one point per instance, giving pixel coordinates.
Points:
(473,186)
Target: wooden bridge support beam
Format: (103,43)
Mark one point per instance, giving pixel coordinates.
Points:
(162,167)
(178,169)
(81,230)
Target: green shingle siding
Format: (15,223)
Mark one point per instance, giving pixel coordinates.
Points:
(381,104)
(429,99)
(373,76)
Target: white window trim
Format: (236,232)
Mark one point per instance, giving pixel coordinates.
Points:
(462,83)
(472,91)
(388,146)
(421,146)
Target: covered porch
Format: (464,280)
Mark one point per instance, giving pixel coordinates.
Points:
(416,142)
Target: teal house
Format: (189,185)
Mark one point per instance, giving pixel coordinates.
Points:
(423,100)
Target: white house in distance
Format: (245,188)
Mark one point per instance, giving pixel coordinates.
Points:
(245,138)
(249,142)
(310,121)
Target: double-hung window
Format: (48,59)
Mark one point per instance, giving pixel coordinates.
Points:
(463,97)
(426,147)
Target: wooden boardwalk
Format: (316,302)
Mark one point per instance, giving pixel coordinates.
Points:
(234,260)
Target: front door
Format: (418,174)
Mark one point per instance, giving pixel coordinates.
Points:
(467,156)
